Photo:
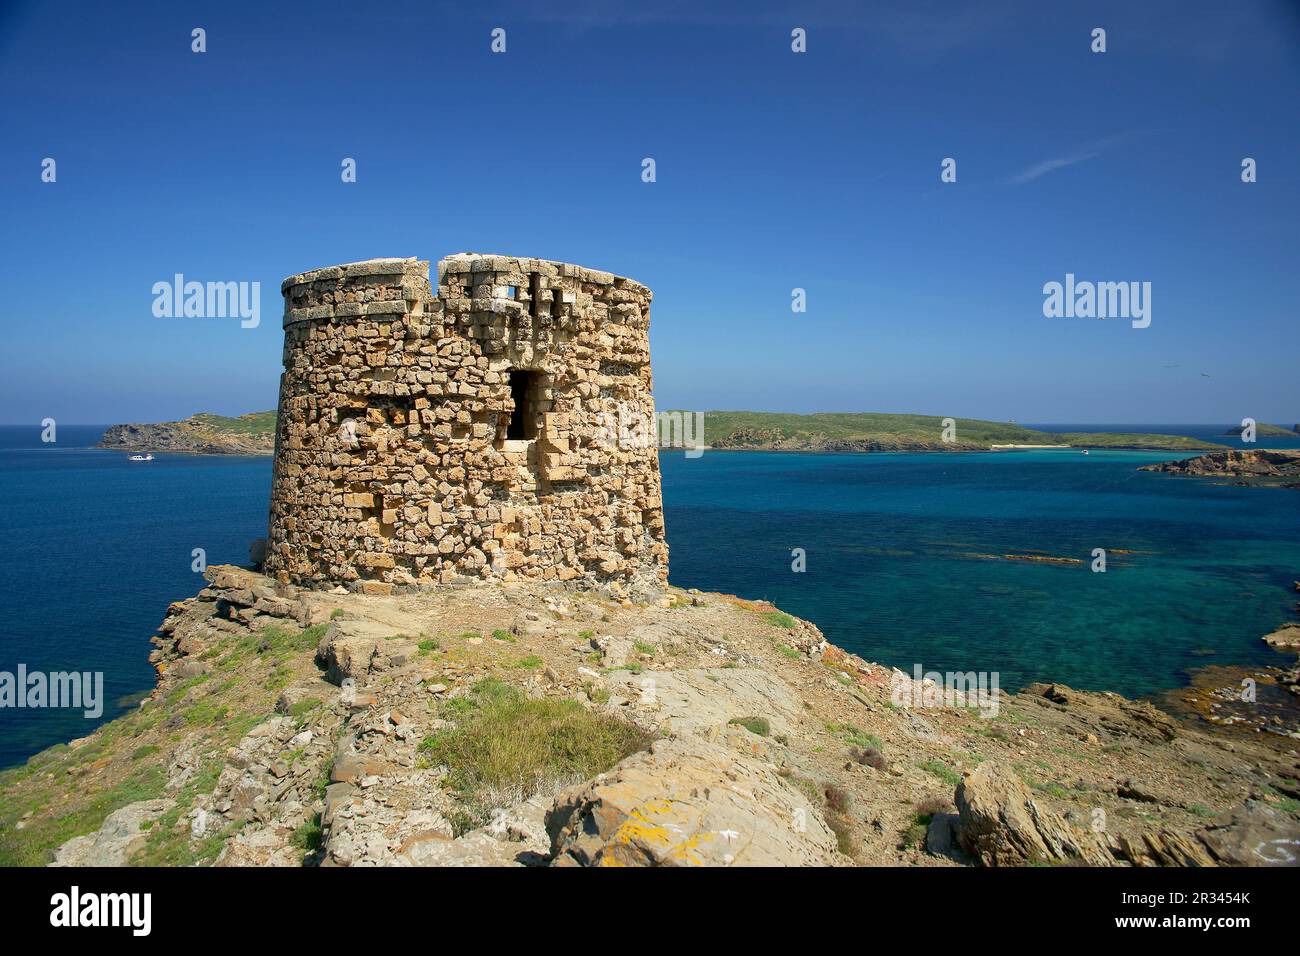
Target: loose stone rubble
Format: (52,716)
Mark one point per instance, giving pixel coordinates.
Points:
(497,427)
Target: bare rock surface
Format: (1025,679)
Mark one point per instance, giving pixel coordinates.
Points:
(1002,824)
(693,701)
(688,802)
(1285,638)
(1254,835)
(514,837)
(113,843)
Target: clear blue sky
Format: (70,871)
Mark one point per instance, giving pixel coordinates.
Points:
(775,170)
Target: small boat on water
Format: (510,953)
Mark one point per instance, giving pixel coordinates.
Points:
(1084,452)
(148,457)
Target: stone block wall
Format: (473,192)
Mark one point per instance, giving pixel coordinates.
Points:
(434,436)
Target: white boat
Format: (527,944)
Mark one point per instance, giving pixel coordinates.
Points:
(1085,451)
(148,457)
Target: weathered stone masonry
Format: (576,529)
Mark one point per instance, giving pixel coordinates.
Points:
(433,437)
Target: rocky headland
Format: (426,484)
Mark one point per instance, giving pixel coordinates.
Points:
(201,434)
(525,724)
(1262,466)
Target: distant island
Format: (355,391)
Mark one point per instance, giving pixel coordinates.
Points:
(1266,431)
(254,434)
(877,431)
(201,434)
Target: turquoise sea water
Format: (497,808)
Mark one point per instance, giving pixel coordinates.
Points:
(94,547)
(92,550)
(894,568)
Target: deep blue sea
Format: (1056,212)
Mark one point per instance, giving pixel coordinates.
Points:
(94,547)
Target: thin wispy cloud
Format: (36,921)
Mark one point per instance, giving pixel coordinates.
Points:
(1051,165)
(1082,154)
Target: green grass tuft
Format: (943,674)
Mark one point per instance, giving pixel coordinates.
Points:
(310,836)
(506,743)
(755,725)
(853,734)
(942,771)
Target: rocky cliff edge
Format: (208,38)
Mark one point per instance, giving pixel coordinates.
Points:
(520,725)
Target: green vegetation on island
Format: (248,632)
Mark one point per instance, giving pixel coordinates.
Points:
(877,431)
(254,423)
(1134,440)
(254,434)
(201,434)
(1265,430)
(833,426)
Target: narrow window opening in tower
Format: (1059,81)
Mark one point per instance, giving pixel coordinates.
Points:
(534,293)
(523,417)
(557,297)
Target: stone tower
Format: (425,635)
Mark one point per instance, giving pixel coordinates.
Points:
(498,427)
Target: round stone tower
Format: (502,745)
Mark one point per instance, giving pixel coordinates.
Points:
(500,426)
